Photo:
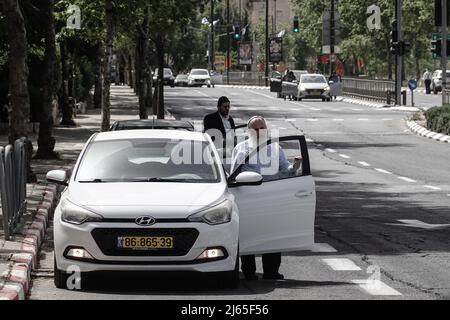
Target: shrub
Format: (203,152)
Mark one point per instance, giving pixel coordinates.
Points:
(438,119)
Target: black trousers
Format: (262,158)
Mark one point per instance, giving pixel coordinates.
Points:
(271,263)
(428,86)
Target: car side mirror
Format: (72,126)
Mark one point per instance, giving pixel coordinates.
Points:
(247,179)
(58,177)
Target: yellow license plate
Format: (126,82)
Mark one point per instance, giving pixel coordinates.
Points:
(144,243)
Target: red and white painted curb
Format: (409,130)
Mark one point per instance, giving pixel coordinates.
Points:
(421,131)
(15,283)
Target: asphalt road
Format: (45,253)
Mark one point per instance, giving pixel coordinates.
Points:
(383,214)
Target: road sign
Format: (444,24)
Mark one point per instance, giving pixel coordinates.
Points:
(412,84)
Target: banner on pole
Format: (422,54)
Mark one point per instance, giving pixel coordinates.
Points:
(245,53)
(275,49)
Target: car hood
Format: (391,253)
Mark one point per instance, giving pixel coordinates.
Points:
(160,200)
(313,86)
(201,77)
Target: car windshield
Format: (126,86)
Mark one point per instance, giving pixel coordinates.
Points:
(199,72)
(313,79)
(182,76)
(148,160)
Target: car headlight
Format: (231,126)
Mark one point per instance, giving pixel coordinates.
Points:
(73,214)
(208,80)
(218,214)
(327,89)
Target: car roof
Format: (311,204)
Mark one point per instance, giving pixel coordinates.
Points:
(150,134)
(313,74)
(152,123)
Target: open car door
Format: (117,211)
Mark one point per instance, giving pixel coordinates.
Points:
(279,215)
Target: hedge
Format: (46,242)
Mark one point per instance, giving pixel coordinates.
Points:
(438,119)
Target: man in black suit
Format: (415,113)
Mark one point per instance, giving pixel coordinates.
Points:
(219,121)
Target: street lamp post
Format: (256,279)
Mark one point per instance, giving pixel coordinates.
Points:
(444,50)
(267,44)
(212,35)
(229,42)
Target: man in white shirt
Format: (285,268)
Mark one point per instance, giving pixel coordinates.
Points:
(269,161)
(427,78)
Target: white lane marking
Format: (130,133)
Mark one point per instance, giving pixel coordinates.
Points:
(201,93)
(291,120)
(309,140)
(363,119)
(331,150)
(376,288)
(383,171)
(321,145)
(265,95)
(344,156)
(187,108)
(314,109)
(338,120)
(356,109)
(282,128)
(432,188)
(322,248)
(341,264)
(418,224)
(387,119)
(364,164)
(312,120)
(407,179)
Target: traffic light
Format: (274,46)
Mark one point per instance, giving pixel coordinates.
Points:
(237,33)
(436,47)
(394,39)
(296,28)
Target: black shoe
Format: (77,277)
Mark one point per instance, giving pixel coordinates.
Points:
(276,276)
(251,277)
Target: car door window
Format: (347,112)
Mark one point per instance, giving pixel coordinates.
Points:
(276,160)
(279,215)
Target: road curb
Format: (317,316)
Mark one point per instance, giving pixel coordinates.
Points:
(370,104)
(424,132)
(22,254)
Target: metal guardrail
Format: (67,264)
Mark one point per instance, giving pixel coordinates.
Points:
(245,78)
(13,184)
(379,90)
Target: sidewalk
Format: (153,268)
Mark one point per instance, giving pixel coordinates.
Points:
(20,256)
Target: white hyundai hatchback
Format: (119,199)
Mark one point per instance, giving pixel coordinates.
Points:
(160,200)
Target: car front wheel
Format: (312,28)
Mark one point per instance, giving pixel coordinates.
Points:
(60,277)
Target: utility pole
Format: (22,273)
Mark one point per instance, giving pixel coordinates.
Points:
(267,43)
(212,35)
(444,50)
(275,15)
(332,37)
(229,42)
(399,74)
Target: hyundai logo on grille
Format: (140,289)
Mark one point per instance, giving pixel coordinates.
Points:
(145,221)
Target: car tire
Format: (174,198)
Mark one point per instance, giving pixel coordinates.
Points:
(209,86)
(299,99)
(229,279)
(60,278)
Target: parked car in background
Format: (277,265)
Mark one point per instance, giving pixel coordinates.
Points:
(436,82)
(169,79)
(137,124)
(181,80)
(199,78)
(313,86)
